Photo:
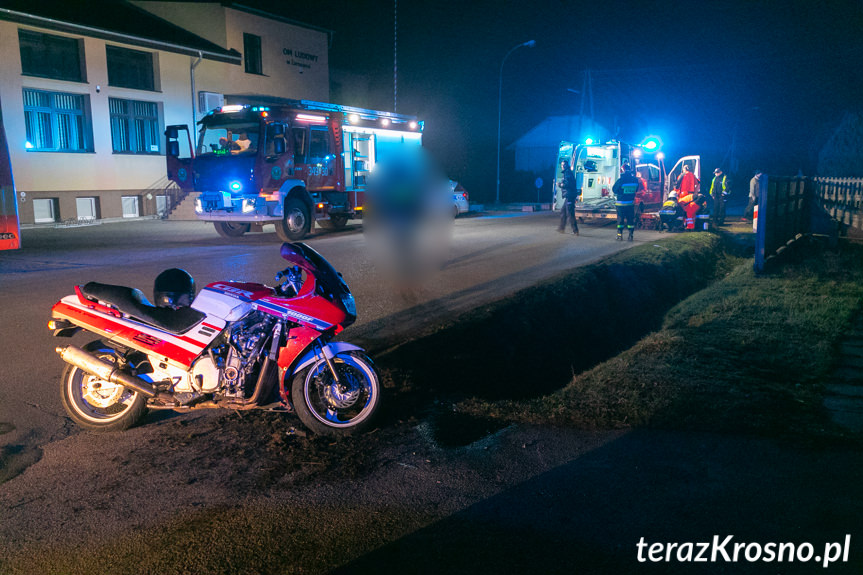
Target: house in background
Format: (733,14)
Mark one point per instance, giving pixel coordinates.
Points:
(86,93)
(536,151)
(536,154)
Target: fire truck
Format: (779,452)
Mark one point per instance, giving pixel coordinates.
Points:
(290,163)
(10,233)
(600,166)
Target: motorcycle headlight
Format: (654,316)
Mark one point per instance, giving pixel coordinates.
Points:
(350,304)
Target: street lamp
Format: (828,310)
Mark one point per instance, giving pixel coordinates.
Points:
(529,44)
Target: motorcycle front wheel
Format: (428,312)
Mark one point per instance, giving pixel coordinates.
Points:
(96,404)
(343,408)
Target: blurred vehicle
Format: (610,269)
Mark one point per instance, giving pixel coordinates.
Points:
(459,198)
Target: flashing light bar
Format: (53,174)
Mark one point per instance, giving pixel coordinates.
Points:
(232,108)
(311,119)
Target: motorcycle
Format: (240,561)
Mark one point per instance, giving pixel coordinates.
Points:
(234,345)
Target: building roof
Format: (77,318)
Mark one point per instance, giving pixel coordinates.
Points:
(552,130)
(113,20)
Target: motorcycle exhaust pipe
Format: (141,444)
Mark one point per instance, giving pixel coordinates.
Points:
(103,370)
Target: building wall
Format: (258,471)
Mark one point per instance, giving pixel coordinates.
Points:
(108,176)
(100,173)
(294,58)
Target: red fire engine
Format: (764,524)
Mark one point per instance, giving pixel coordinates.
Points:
(290,163)
(10,235)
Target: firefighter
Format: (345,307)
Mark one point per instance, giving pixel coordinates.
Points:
(570,191)
(670,213)
(718,191)
(624,190)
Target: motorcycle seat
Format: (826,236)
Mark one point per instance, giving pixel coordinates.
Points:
(133,303)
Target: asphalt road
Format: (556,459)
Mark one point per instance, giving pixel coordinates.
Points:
(485,258)
(523,500)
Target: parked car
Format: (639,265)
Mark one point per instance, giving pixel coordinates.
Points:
(459,199)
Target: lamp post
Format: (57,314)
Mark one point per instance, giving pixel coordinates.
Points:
(529,44)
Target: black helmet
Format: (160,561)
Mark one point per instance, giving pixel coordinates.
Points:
(174,288)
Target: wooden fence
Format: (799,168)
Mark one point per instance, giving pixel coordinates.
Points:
(842,200)
(783,215)
(788,208)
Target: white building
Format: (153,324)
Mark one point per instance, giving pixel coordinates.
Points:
(87,91)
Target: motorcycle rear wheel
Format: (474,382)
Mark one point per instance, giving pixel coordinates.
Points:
(99,405)
(344,409)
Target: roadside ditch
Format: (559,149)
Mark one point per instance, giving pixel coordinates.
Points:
(534,342)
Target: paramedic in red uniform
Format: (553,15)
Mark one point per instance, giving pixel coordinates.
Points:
(687,183)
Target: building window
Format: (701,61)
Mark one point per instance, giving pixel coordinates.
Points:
(57,121)
(130,206)
(134,126)
(130,68)
(45,210)
(252,54)
(48,56)
(162,206)
(87,209)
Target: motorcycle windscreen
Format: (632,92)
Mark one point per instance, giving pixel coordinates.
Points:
(326,275)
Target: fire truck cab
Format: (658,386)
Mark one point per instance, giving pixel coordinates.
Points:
(290,163)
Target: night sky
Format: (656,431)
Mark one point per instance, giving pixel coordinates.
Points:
(778,75)
(745,84)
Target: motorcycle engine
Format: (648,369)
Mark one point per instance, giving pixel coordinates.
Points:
(239,359)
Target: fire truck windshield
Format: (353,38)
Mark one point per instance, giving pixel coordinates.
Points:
(228,138)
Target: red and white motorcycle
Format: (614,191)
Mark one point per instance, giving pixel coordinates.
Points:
(238,345)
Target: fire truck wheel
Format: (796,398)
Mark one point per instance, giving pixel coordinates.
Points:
(334,223)
(231,229)
(296,223)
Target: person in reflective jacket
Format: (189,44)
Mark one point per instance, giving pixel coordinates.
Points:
(624,190)
(718,191)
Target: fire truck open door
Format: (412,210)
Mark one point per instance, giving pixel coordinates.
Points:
(10,232)
(694,163)
(180,156)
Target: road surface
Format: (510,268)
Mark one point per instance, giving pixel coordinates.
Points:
(487,257)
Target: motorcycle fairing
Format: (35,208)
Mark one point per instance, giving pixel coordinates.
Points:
(180,350)
(278,307)
(305,309)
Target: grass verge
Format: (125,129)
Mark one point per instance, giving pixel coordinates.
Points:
(747,354)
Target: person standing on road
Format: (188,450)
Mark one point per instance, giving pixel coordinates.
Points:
(687,183)
(754,186)
(718,191)
(624,190)
(570,190)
